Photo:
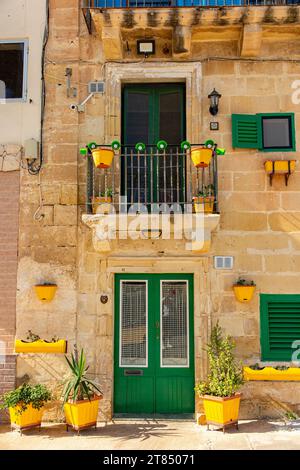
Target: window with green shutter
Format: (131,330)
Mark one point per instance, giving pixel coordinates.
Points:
(279,325)
(268,132)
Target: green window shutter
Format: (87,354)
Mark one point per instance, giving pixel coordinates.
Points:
(246,131)
(280,326)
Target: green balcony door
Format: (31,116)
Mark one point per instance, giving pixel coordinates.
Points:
(153,112)
(154,344)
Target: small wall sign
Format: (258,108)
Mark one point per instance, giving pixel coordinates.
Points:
(214,126)
(104,299)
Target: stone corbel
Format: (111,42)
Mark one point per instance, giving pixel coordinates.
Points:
(182,41)
(112,42)
(250,40)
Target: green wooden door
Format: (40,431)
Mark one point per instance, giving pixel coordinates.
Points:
(151,113)
(154,344)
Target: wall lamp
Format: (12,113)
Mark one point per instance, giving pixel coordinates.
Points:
(146,47)
(214,97)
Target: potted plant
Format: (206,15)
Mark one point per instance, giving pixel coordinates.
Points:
(34,344)
(26,405)
(205,200)
(45,291)
(102,203)
(244,290)
(219,392)
(81,395)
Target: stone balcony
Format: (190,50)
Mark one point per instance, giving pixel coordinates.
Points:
(177,29)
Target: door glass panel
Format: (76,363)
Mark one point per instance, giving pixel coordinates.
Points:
(170,117)
(174,324)
(137,118)
(133,324)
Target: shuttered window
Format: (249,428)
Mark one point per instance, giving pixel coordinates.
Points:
(280,326)
(267,132)
(245,131)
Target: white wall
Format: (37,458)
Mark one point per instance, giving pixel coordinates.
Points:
(23,19)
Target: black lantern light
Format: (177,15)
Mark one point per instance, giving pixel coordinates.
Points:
(214,97)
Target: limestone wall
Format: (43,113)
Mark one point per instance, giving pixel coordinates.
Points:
(259,224)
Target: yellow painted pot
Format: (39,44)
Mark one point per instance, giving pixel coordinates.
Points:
(269,373)
(41,346)
(45,293)
(101,205)
(201,157)
(82,414)
(103,157)
(280,166)
(28,419)
(244,293)
(204,204)
(222,411)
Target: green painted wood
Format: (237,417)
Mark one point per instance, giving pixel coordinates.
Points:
(279,325)
(246,131)
(291,116)
(156,126)
(162,390)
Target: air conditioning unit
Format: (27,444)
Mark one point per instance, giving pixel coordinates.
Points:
(96,87)
(223,262)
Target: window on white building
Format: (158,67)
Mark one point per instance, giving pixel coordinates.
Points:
(13,69)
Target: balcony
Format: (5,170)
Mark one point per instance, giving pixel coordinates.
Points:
(178,25)
(182,3)
(155,185)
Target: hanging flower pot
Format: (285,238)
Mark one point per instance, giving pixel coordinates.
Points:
(103,157)
(201,157)
(244,290)
(45,292)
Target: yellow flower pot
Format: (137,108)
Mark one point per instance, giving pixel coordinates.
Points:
(30,418)
(45,293)
(280,166)
(222,411)
(201,157)
(101,205)
(204,204)
(82,414)
(103,157)
(41,346)
(244,293)
(291,374)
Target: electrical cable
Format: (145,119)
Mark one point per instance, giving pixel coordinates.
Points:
(32,168)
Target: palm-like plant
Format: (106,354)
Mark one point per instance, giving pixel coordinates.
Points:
(79,386)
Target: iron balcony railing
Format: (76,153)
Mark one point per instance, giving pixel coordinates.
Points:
(155,179)
(182,3)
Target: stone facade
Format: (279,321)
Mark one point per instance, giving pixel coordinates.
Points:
(259,223)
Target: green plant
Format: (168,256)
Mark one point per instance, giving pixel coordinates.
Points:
(35,395)
(32,337)
(225,373)
(107,193)
(244,282)
(48,284)
(290,415)
(79,386)
(207,191)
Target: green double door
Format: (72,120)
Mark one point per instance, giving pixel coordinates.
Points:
(154,344)
(153,112)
